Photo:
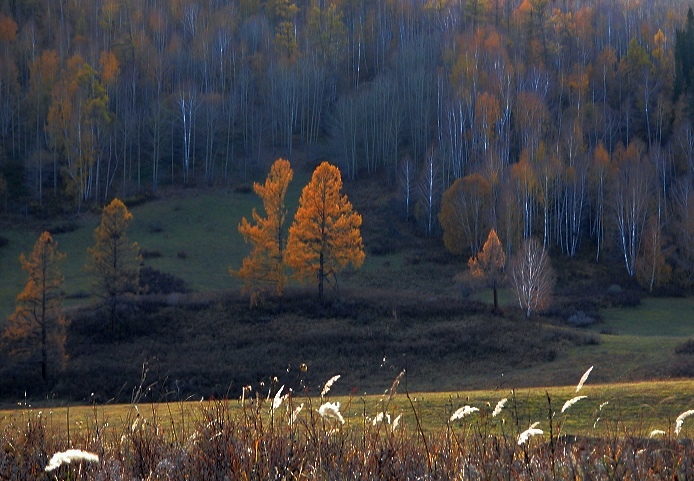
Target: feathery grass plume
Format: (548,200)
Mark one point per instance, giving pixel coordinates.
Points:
(680,419)
(394,386)
(246,389)
(295,413)
(571,402)
(528,433)
(381,418)
(584,378)
(499,406)
(396,422)
(66,457)
(277,401)
(328,385)
(657,432)
(460,413)
(332,411)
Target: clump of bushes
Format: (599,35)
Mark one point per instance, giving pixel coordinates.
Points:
(243,189)
(148,254)
(687,347)
(153,281)
(63,227)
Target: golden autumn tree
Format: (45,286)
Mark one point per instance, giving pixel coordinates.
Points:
(488,264)
(264,266)
(38,323)
(465,213)
(113,260)
(325,236)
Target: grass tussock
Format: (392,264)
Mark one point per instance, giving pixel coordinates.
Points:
(282,434)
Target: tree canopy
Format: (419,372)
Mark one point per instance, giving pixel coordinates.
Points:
(325,236)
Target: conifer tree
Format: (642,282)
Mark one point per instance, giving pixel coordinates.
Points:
(38,323)
(264,266)
(113,260)
(488,264)
(325,236)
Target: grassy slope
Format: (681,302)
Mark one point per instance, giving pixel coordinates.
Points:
(203,225)
(636,409)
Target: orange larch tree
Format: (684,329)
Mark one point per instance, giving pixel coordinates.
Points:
(264,266)
(488,264)
(113,260)
(38,322)
(325,236)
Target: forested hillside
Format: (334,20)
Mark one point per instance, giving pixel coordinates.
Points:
(566,120)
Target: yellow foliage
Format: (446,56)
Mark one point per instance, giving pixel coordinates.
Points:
(325,236)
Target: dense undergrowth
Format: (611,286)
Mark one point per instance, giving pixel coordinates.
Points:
(197,345)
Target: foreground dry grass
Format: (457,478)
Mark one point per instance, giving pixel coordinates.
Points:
(394,436)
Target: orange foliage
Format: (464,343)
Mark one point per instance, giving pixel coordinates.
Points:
(487,112)
(8,29)
(464,213)
(38,322)
(488,264)
(265,263)
(325,236)
(109,67)
(113,260)
(522,172)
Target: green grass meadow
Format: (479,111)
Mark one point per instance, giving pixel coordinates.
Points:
(607,410)
(194,232)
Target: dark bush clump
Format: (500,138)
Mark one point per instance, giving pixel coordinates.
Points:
(147,254)
(63,227)
(243,189)
(153,281)
(3,241)
(687,347)
(156,228)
